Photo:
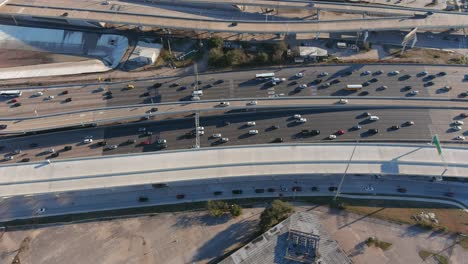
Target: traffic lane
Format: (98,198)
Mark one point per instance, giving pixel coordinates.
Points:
(240,84)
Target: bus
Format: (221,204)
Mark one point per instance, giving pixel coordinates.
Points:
(11,93)
(262,76)
(353,87)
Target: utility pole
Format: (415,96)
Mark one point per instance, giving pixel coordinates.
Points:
(197,133)
(338,191)
(195,70)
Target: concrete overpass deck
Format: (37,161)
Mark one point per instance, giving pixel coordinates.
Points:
(142,16)
(243,161)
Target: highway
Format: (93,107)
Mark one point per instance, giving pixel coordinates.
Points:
(274,186)
(104,13)
(174,129)
(240,84)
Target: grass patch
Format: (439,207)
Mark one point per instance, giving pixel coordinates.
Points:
(373,241)
(463,241)
(424,254)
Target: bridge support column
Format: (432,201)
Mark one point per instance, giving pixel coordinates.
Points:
(415,39)
(318,14)
(366,35)
(317,35)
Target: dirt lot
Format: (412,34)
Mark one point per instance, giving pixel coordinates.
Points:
(15,58)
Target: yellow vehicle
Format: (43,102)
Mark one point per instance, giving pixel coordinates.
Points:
(130,86)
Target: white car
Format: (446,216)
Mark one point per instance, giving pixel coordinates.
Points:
(283,79)
(297,116)
(458,123)
(88,140)
(9,157)
(409,123)
(200,132)
(162,141)
(414,92)
(322,74)
(49,151)
(331,137)
(394,72)
(50,97)
(142,129)
(216,135)
(251,123)
(195,98)
(112,147)
(40,210)
(303,86)
(460,138)
(253,132)
(366,72)
(299,75)
(38,94)
(343,101)
(369,188)
(200,128)
(252,103)
(224,104)
(457,128)
(302,120)
(224,140)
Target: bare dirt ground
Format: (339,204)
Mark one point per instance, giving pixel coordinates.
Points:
(15,58)
(195,237)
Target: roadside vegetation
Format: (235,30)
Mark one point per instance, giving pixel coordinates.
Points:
(424,254)
(373,241)
(222,208)
(274,214)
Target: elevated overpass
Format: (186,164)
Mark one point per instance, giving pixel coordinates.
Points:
(223,163)
(66,10)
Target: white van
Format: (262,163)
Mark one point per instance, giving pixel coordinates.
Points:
(373,118)
(197,93)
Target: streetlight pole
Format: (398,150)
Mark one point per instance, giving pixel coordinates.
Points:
(338,191)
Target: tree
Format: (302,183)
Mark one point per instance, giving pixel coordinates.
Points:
(235,57)
(215,42)
(235,210)
(216,58)
(261,58)
(277,212)
(217,208)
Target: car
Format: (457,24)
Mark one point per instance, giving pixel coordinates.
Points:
(67,148)
(316,81)
(326,85)
(37,94)
(216,135)
(369,188)
(25,160)
(464,94)
(365,84)
(423,73)
(226,123)
(297,116)
(224,104)
(366,114)
(382,88)
(8,157)
(373,131)
(111,147)
(305,132)
(130,141)
(220,81)
(236,191)
(259,190)
(332,189)
(461,138)
(64,92)
(233,24)
(323,74)
(447,88)
(154,109)
(340,132)
(161,141)
(405,77)
(401,190)
(458,122)
(373,118)
(102,143)
(49,151)
(130,86)
(296,189)
(331,137)
(303,86)
(200,128)
(195,98)
(14,100)
(217,193)
(428,84)
(292,83)
(3,126)
(347,73)
(274,127)
(180,196)
(55,154)
(148,133)
(315,132)
(395,127)
(17,105)
(408,123)
(463,115)
(251,123)
(252,103)
(157,85)
(143,199)
(69,99)
(64,14)
(449,194)
(366,73)
(208,86)
(87,140)
(415,92)
(299,75)
(301,120)
(224,140)
(141,129)
(373,80)
(343,101)
(271,190)
(356,127)
(50,97)
(174,85)
(457,128)
(441,74)
(16,152)
(277,140)
(253,132)
(394,72)
(335,81)
(146,94)
(40,210)
(406,88)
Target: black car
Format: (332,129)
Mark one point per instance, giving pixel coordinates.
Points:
(316,81)
(157,85)
(199,82)
(219,82)
(3,126)
(395,127)
(332,189)
(17,105)
(347,73)
(259,190)
(146,94)
(373,131)
(69,99)
(55,154)
(315,132)
(131,141)
(365,84)
(406,88)
(277,140)
(366,114)
(108,93)
(207,86)
(174,85)
(142,199)
(293,83)
(25,160)
(148,133)
(109,96)
(373,80)
(441,74)
(363,93)
(405,77)
(233,24)
(102,143)
(236,191)
(154,109)
(335,81)
(218,193)
(428,84)
(401,190)
(67,148)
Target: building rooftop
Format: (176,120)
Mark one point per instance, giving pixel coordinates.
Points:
(298,239)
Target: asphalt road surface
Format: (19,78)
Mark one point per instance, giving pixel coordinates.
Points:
(240,84)
(175,131)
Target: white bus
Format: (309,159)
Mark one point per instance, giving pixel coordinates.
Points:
(11,93)
(353,87)
(263,76)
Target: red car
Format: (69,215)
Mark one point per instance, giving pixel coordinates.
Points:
(13,100)
(296,189)
(449,194)
(146,142)
(340,132)
(464,115)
